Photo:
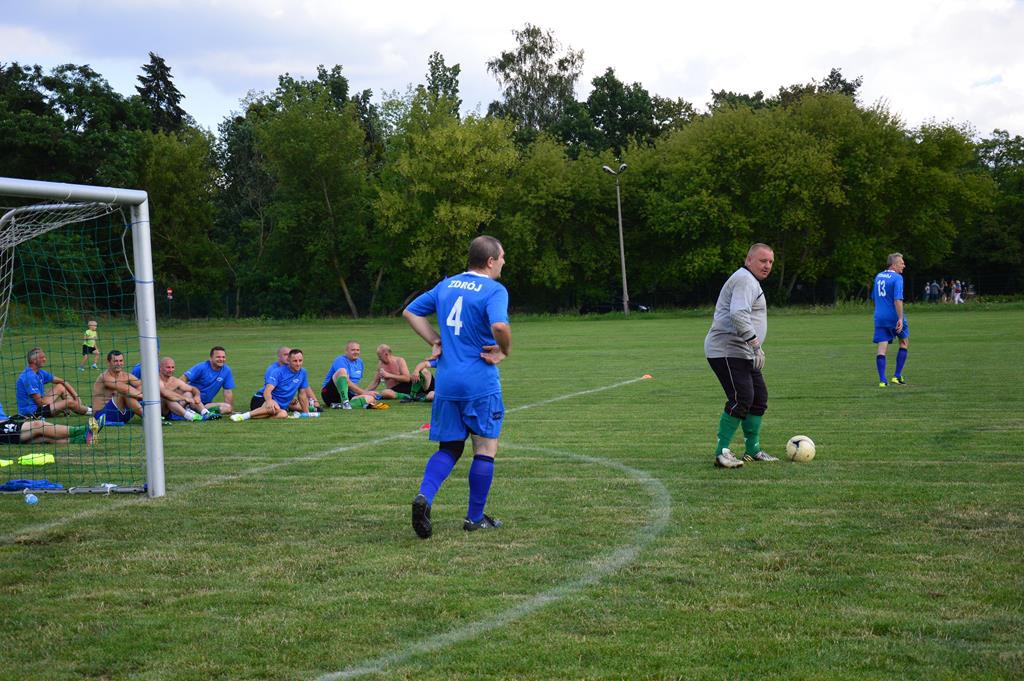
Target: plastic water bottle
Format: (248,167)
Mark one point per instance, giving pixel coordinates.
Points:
(312,407)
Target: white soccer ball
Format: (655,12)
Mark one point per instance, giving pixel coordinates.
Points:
(800,448)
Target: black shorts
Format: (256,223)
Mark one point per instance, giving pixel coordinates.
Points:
(402,388)
(10,432)
(256,402)
(86,350)
(329,394)
(42,413)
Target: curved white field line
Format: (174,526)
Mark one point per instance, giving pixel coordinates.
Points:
(602,566)
(33,530)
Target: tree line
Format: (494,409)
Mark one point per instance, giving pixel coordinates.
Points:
(317,200)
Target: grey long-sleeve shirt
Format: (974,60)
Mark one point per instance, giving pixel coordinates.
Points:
(740,315)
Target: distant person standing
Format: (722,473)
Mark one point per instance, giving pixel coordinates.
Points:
(958,291)
(733,349)
(890,322)
(90,347)
(475,336)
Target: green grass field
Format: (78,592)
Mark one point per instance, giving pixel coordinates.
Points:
(283,549)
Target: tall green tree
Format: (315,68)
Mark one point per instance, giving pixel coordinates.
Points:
(442,184)
(160,96)
(623,113)
(443,82)
(314,147)
(245,219)
(177,172)
(558,215)
(537,82)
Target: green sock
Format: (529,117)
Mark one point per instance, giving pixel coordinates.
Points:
(416,387)
(727,425)
(403,396)
(341,383)
(358,402)
(77,433)
(215,409)
(752,433)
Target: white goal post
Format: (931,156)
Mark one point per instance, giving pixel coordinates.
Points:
(137,202)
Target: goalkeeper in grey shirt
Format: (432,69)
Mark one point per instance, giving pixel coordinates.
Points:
(733,349)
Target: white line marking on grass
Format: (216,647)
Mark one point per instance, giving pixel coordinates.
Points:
(602,566)
(32,530)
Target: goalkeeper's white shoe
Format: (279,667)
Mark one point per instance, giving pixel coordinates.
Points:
(760,456)
(727,460)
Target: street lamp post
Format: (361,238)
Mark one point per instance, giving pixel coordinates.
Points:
(622,246)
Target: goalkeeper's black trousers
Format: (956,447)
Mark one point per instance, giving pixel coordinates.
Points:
(745,389)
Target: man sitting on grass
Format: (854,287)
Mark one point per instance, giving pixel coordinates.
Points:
(14,432)
(179,401)
(341,384)
(287,389)
(116,394)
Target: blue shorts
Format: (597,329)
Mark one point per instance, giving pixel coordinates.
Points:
(887,334)
(452,420)
(113,414)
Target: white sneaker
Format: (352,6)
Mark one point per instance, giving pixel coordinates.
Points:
(727,460)
(237,418)
(346,405)
(760,456)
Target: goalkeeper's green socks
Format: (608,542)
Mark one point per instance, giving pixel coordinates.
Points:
(215,409)
(358,402)
(403,396)
(77,434)
(727,426)
(752,433)
(341,383)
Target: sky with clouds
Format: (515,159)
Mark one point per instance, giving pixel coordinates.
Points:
(943,60)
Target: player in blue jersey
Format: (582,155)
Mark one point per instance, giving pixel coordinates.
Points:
(890,323)
(287,388)
(212,375)
(340,388)
(475,336)
(35,399)
(257,399)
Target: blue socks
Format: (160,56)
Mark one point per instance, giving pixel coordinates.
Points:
(901,359)
(480,475)
(880,361)
(439,467)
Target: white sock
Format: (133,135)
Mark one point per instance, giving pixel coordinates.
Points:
(88,411)
(205,411)
(246,416)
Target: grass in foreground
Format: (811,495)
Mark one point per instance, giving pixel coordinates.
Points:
(283,550)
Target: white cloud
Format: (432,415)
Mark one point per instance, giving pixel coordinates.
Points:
(925,57)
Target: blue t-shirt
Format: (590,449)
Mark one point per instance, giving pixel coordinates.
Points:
(287,384)
(137,371)
(888,288)
(3,415)
(209,381)
(354,367)
(29,383)
(466,305)
(271,368)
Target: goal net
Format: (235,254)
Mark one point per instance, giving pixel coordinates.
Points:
(75,284)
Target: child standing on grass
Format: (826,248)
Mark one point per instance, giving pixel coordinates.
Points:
(90,346)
